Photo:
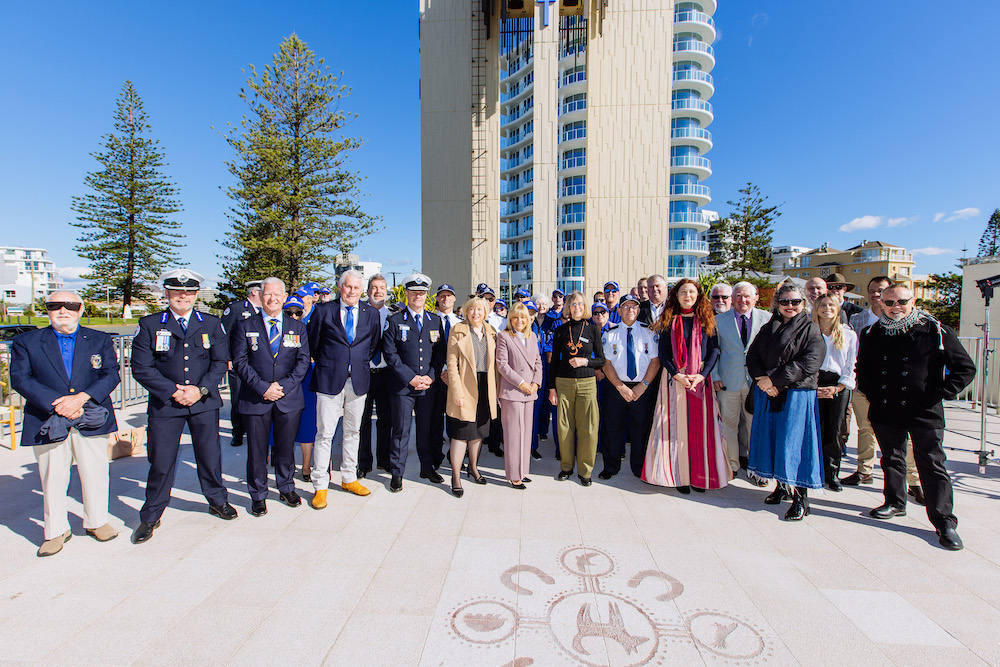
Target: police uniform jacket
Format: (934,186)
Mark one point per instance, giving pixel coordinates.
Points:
(906,376)
(238,310)
(336,359)
(37,372)
(408,353)
(257,368)
(197,357)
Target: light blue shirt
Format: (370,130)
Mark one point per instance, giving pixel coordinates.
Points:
(267,322)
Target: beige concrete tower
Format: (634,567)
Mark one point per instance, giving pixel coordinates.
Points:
(582,153)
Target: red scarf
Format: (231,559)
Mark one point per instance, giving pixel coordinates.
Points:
(687,361)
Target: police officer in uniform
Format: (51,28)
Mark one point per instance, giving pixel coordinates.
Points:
(180,355)
(627,409)
(446,311)
(379,397)
(413,346)
(240,309)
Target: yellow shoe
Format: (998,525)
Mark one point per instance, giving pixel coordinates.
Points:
(319,499)
(356,487)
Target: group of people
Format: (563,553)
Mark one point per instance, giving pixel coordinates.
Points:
(698,385)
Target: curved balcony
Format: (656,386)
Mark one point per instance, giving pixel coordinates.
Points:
(692,136)
(694,79)
(697,22)
(515,189)
(518,118)
(513,146)
(678,272)
(515,257)
(701,194)
(508,165)
(524,210)
(691,164)
(524,93)
(695,51)
(698,109)
(694,220)
(698,248)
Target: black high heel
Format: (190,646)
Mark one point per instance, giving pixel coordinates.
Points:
(684,489)
(478,480)
(518,485)
(457,491)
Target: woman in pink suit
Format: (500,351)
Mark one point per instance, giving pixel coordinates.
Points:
(519,365)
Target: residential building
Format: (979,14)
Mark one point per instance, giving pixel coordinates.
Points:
(782,256)
(26,274)
(351,261)
(858,264)
(546,155)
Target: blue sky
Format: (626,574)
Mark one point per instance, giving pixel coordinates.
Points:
(866,120)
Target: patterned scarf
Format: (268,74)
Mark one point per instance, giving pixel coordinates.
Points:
(687,361)
(895,327)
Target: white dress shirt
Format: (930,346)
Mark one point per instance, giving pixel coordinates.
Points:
(842,361)
(615,341)
(343,319)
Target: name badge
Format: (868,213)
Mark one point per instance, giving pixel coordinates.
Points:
(253,335)
(96,361)
(404,332)
(205,343)
(435,335)
(162,341)
(584,340)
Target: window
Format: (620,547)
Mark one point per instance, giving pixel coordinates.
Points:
(573,214)
(574,103)
(576,130)
(574,185)
(10,294)
(574,74)
(574,158)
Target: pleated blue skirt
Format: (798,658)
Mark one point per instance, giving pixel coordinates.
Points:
(786,445)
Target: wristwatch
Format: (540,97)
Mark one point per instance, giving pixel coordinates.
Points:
(645,383)
(203,391)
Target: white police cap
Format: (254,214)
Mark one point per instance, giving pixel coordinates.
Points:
(417,282)
(182,279)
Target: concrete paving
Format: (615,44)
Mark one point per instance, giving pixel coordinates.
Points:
(620,573)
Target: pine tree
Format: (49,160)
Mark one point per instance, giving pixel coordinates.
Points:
(296,207)
(129,238)
(745,235)
(989,242)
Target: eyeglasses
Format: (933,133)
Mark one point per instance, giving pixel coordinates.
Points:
(836,287)
(892,302)
(294,312)
(52,306)
(724,297)
(789,302)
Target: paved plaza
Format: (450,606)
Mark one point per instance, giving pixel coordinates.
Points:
(620,573)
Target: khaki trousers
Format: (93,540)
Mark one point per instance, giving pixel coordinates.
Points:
(54,462)
(578,419)
(736,423)
(867,442)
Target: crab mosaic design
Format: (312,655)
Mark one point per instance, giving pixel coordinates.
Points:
(603,622)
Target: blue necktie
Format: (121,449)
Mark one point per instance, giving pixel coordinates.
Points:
(184,324)
(273,338)
(418,320)
(447,327)
(630,347)
(350,324)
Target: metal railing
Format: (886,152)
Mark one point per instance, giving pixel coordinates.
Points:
(973,393)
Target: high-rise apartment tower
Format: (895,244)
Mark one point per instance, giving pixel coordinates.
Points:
(563,141)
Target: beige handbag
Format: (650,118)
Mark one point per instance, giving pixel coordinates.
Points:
(128,442)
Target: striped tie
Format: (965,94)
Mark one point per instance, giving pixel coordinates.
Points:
(273,337)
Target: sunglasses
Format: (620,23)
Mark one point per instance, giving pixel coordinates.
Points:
(789,302)
(68,305)
(294,312)
(724,297)
(892,302)
(836,287)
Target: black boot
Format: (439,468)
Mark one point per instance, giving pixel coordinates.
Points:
(800,505)
(776,496)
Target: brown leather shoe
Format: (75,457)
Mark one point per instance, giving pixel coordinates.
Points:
(55,545)
(917,494)
(103,534)
(856,478)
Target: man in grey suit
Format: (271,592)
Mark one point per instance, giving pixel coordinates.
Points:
(737,327)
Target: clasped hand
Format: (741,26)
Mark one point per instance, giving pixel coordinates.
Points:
(421,382)
(71,406)
(689,381)
(274,392)
(767,386)
(186,394)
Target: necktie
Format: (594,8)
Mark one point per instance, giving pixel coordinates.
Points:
(350,324)
(377,359)
(744,334)
(447,327)
(273,337)
(630,348)
(184,324)
(418,320)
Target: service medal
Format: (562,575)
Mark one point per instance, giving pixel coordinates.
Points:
(434,336)
(95,361)
(205,343)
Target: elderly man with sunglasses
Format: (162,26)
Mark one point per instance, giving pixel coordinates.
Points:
(908,363)
(66,373)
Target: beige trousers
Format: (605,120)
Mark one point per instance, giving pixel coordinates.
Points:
(867,442)
(54,462)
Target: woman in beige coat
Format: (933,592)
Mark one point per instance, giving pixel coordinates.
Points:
(472,389)
(519,365)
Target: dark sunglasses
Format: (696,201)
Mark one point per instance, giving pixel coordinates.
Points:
(789,302)
(68,305)
(836,287)
(724,297)
(891,302)
(294,312)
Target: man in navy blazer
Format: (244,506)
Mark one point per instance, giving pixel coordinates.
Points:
(180,355)
(62,371)
(271,357)
(343,336)
(414,347)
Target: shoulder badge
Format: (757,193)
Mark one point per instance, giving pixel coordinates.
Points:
(226,311)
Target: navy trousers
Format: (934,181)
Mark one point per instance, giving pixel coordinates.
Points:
(402,407)
(285,425)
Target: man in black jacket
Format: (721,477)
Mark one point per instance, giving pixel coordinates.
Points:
(908,362)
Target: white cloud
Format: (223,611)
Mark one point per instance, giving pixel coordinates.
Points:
(750,41)
(873,222)
(962,214)
(759,19)
(939,216)
(399,262)
(932,250)
(73,274)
